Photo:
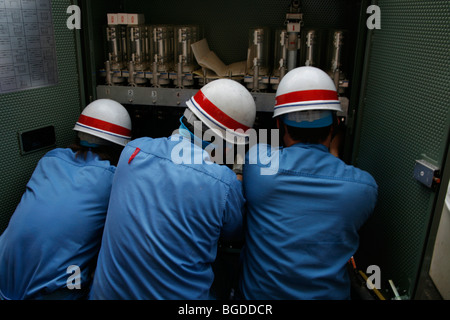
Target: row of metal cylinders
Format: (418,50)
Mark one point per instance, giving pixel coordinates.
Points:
(145,44)
(152,48)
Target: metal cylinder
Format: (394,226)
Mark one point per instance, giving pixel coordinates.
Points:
(131,74)
(336,55)
(116,37)
(137,48)
(259,50)
(108,73)
(184,36)
(311,48)
(293,50)
(337,43)
(280,53)
(162,46)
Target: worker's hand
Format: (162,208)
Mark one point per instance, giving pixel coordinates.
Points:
(335,145)
(238,165)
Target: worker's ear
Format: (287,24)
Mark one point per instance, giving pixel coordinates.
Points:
(282,127)
(334,126)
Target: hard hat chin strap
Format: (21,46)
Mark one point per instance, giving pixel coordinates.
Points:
(190,122)
(282,132)
(88,140)
(89,145)
(194,121)
(185,132)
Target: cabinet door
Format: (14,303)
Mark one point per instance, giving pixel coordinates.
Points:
(403,116)
(54,103)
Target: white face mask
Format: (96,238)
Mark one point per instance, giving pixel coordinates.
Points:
(309,118)
(89,140)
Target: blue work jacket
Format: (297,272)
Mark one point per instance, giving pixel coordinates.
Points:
(54,235)
(303,217)
(169,206)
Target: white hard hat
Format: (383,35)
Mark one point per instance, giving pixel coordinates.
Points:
(306,88)
(106,119)
(226,107)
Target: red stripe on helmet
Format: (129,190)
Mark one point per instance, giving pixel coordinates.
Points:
(306,95)
(217,114)
(104,125)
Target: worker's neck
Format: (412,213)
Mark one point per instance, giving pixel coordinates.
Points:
(288,141)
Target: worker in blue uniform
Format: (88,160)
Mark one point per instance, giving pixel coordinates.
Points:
(303,216)
(49,249)
(171,203)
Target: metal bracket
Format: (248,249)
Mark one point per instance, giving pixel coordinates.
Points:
(426,173)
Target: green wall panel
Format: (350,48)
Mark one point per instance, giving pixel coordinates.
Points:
(405,116)
(56,105)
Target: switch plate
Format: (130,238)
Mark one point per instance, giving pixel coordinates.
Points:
(37,139)
(425,172)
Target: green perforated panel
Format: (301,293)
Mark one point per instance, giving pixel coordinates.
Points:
(20,111)
(404,117)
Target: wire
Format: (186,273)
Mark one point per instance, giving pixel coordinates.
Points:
(397,296)
(375,290)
